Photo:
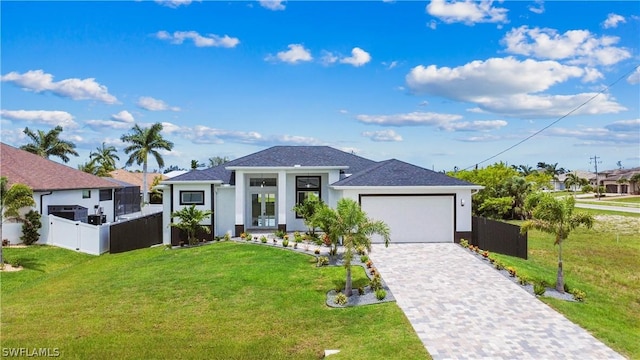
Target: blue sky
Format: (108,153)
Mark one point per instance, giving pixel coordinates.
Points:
(438,84)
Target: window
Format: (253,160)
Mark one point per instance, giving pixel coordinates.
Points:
(86,194)
(262,182)
(306,186)
(191,197)
(106,194)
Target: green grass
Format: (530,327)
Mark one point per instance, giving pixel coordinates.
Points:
(222,301)
(608,212)
(631,199)
(605,263)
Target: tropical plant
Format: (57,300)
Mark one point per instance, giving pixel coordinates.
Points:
(12,199)
(30,226)
(217,160)
(349,222)
(635,179)
(190,218)
(381,294)
(155,197)
(573,181)
(49,144)
(307,210)
(524,170)
(196,164)
(142,143)
(555,216)
(91,167)
(105,156)
(551,169)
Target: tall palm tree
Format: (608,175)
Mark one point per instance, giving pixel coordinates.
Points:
(12,199)
(352,224)
(49,144)
(555,216)
(196,164)
(572,181)
(142,143)
(105,156)
(524,170)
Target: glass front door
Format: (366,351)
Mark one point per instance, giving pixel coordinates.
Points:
(263,210)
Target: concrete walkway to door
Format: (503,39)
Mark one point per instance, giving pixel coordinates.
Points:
(462,308)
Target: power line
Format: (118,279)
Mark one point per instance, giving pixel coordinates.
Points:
(557,120)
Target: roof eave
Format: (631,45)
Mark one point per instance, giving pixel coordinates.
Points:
(278,168)
(422,187)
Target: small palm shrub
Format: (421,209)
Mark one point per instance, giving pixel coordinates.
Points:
(285,242)
(464,243)
(512,271)
(248,237)
(341,299)
(579,295)
(322,261)
(364,259)
(539,289)
(361,250)
(381,294)
(279,234)
(263,239)
(360,290)
(376,282)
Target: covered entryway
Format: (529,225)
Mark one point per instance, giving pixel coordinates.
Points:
(413,218)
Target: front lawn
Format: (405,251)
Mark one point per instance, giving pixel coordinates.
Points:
(221,301)
(603,262)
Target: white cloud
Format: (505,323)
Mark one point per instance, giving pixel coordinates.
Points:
(432,25)
(408,119)
(51,118)
(576,46)
(390,65)
(175,3)
(494,77)
(601,136)
(274,5)
(209,40)
(537,7)
(291,140)
(383,136)
(295,54)
(480,138)
(151,104)
(74,88)
(478,125)
(613,20)
(111,124)
(328,58)
(468,12)
(625,125)
(358,57)
(591,75)
(123,116)
(206,135)
(634,78)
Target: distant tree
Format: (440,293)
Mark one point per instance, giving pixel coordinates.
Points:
(196,164)
(349,222)
(142,143)
(189,220)
(12,199)
(551,169)
(573,181)
(555,216)
(517,188)
(524,170)
(619,165)
(49,144)
(635,179)
(105,156)
(217,160)
(156,195)
(172,168)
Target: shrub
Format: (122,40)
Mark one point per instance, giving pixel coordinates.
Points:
(361,250)
(381,294)
(539,289)
(566,287)
(247,237)
(579,295)
(285,242)
(279,234)
(243,235)
(316,251)
(369,263)
(227,236)
(341,299)
(587,189)
(498,265)
(322,261)
(523,280)
(485,254)
(360,290)
(263,239)
(364,259)
(339,286)
(30,227)
(512,271)
(326,240)
(464,243)
(376,282)
(373,271)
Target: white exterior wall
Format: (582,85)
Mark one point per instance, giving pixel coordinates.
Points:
(193,187)
(74,197)
(224,212)
(327,195)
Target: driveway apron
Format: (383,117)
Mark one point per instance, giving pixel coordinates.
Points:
(462,308)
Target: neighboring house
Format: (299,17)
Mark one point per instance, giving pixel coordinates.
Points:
(257,193)
(559,185)
(174,173)
(136,178)
(619,181)
(58,189)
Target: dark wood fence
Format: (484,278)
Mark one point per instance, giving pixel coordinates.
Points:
(135,234)
(499,237)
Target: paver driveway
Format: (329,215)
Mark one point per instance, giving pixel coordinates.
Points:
(462,308)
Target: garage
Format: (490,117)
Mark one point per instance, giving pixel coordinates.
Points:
(413,217)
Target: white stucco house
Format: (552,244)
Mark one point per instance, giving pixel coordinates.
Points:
(257,192)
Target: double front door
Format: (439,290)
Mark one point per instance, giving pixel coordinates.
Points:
(263,210)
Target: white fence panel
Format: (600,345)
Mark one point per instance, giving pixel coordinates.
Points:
(78,236)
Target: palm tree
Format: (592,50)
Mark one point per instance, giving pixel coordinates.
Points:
(524,170)
(105,156)
(217,160)
(190,219)
(49,144)
(13,199)
(555,216)
(635,179)
(573,181)
(196,164)
(351,223)
(144,142)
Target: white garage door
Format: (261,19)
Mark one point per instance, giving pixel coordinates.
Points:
(413,218)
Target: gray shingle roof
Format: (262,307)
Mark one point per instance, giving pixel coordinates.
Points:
(289,156)
(215,173)
(398,173)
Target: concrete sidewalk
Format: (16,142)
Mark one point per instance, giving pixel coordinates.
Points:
(462,308)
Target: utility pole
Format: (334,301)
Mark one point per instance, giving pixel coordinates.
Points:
(595,162)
